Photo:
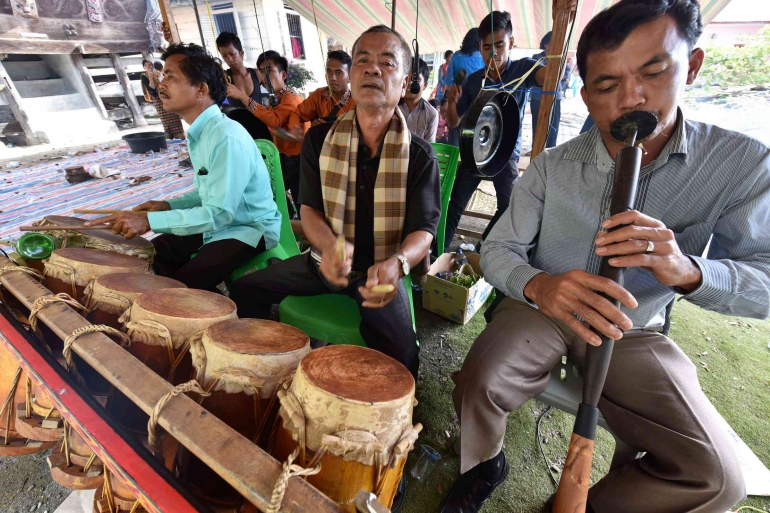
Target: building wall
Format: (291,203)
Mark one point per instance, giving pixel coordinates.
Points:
(271,17)
(728,33)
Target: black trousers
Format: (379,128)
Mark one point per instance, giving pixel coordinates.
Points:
(290,172)
(388,329)
(214,263)
(553,132)
(464,187)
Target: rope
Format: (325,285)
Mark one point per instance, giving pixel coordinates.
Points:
(44,301)
(190,386)
(67,270)
(92,328)
(289,470)
(27,270)
(164,333)
(321,45)
(7,404)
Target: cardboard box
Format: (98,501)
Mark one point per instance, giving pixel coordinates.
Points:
(449,299)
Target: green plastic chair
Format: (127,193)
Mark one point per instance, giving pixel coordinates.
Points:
(448,157)
(335,319)
(287,245)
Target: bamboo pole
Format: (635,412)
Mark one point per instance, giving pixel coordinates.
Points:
(168,19)
(552,76)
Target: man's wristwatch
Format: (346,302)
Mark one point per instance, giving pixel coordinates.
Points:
(404,263)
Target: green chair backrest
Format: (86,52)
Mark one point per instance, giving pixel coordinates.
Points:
(448,157)
(273,163)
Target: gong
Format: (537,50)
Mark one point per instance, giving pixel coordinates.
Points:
(489,133)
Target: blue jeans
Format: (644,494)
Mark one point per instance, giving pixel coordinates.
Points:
(553,133)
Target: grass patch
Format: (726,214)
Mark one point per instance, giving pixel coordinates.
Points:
(735,377)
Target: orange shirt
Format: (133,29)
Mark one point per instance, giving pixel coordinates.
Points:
(320,104)
(284,116)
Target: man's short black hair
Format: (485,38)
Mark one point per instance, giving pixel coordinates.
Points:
(199,67)
(434,103)
(339,55)
(448,54)
(444,101)
(157,65)
(228,38)
(422,69)
(278,60)
(494,21)
(407,51)
(608,29)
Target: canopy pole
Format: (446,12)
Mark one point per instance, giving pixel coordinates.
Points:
(168,18)
(552,78)
(198,20)
(393,16)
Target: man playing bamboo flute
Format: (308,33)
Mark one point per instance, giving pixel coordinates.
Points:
(700,187)
(230,216)
(365,178)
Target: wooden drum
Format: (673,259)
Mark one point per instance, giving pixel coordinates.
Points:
(102,239)
(84,471)
(12,394)
(37,418)
(70,270)
(242,362)
(354,407)
(161,324)
(109,296)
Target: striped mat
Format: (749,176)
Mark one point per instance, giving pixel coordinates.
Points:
(27,194)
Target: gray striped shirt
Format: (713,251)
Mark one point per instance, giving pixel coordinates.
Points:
(707,181)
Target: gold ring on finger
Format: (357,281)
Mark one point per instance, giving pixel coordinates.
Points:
(650,247)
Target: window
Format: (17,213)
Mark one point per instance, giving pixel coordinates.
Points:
(295,33)
(224,18)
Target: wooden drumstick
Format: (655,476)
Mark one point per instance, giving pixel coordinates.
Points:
(54,227)
(341,249)
(86,211)
(383,289)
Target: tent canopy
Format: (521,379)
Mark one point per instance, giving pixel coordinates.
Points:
(443,23)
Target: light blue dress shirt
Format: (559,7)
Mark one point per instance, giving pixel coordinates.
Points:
(232,198)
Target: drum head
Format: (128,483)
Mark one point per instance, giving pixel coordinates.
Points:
(357,373)
(256,336)
(138,283)
(99,257)
(489,133)
(186,303)
(104,234)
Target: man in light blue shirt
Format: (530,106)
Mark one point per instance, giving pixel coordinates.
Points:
(231,215)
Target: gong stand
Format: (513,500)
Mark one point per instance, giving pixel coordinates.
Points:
(553,71)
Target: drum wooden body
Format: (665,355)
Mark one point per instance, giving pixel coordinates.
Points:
(104,239)
(11,442)
(354,406)
(242,362)
(70,270)
(109,296)
(161,325)
(83,473)
(44,421)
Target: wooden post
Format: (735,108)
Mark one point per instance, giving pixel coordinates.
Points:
(88,81)
(393,15)
(12,97)
(128,92)
(168,19)
(552,75)
(198,21)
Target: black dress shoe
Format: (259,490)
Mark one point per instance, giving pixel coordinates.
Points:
(471,490)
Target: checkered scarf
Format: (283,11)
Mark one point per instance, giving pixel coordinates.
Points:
(338,182)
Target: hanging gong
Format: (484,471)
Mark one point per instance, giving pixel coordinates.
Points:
(489,133)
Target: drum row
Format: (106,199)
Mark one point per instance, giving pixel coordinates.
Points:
(342,412)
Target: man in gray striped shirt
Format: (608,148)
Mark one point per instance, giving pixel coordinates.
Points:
(700,186)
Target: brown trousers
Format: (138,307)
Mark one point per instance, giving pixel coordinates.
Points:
(652,401)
